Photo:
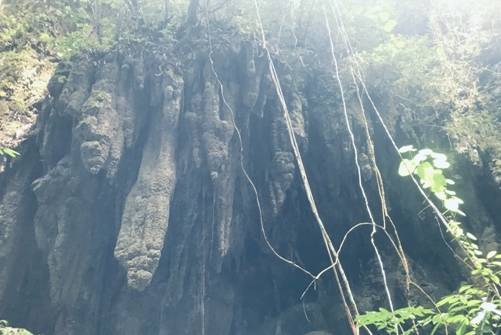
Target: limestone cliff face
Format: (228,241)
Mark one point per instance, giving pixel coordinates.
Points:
(129,213)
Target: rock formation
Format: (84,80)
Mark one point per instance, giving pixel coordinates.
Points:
(129,212)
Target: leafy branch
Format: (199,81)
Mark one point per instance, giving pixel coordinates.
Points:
(475,308)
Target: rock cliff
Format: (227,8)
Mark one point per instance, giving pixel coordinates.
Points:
(128,212)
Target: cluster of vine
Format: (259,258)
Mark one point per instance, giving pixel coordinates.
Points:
(475,308)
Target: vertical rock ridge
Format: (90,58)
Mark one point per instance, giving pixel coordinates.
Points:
(145,218)
(100,127)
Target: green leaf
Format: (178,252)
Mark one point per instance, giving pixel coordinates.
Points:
(471,236)
(441,195)
(452,204)
(438,182)
(425,152)
(450,181)
(406,148)
(424,169)
(9,152)
(440,161)
(406,167)
(491,254)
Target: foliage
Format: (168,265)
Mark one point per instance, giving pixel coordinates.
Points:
(8,152)
(428,166)
(55,29)
(6,330)
(62,28)
(476,306)
(384,319)
(36,35)
(441,69)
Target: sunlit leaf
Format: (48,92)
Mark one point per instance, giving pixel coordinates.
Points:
(407,167)
(440,162)
(491,254)
(438,181)
(441,195)
(406,148)
(424,169)
(425,152)
(9,152)
(471,236)
(452,204)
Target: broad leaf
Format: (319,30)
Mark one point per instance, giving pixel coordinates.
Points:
(406,148)
(406,167)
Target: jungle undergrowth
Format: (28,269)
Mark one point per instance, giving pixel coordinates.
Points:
(475,308)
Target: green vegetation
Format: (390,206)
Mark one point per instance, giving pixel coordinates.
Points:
(36,35)
(441,68)
(436,71)
(8,152)
(6,330)
(475,308)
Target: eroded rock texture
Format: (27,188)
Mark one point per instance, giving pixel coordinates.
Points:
(146,213)
(129,213)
